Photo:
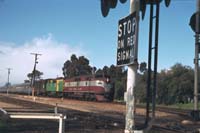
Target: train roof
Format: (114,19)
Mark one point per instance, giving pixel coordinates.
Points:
(21,84)
(87,77)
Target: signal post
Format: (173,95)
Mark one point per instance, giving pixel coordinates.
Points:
(197,43)
(127,52)
(195,26)
(127,55)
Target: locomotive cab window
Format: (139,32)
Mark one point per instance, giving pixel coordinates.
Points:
(100,83)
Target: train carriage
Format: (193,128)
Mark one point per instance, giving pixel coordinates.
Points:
(39,87)
(23,88)
(54,87)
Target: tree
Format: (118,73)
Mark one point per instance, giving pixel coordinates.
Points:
(99,72)
(175,85)
(119,90)
(140,89)
(76,67)
(83,66)
(7,84)
(38,75)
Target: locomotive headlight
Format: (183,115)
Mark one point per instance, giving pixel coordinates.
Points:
(107,80)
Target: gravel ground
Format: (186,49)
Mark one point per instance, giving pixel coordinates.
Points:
(86,117)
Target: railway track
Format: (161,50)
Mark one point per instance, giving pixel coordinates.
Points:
(77,121)
(158,108)
(167,129)
(108,115)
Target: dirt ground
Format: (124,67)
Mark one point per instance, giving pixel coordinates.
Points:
(84,117)
(76,122)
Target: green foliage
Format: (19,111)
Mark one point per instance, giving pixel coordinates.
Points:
(38,75)
(140,89)
(119,90)
(176,85)
(76,67)
(173,86)
(183,106)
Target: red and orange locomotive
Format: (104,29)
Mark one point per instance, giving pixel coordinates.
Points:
(89,88)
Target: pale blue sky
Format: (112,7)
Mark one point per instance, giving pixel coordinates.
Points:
(79,23)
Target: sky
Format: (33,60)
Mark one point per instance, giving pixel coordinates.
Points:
(59,28)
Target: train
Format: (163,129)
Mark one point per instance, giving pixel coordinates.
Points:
(95,88)
(23,88)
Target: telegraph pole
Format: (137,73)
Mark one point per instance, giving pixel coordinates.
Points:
(8,83)
(34,69)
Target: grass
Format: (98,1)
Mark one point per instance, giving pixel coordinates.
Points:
(189,106)
(183,106)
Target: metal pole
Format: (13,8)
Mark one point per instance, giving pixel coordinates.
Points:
(8,75)
(59,117)
(131,78)
(155,60)
(33,78)
(8,79)
(149,65)
(196,60)
(61,125)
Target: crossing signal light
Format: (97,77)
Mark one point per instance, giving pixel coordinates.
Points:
(143,4)
(167,2)
(122,1)
(143,7)
(104,7)
(107,4)
(113,3)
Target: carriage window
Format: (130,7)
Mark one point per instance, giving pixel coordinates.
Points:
(99,83)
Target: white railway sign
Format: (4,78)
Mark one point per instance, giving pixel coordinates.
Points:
(126,47)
